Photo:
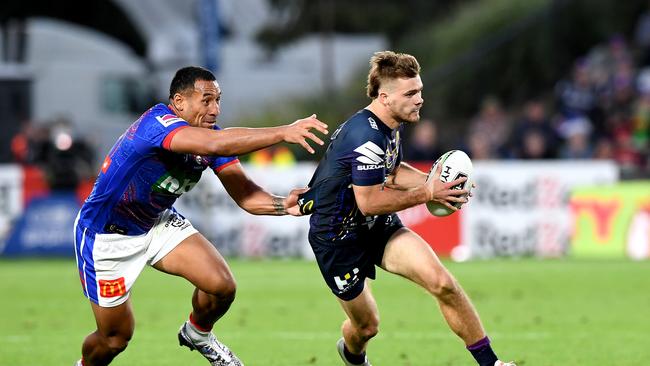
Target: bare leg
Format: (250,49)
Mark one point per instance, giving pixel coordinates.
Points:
(363,321)
(408,255)
(115,328)
(196,260)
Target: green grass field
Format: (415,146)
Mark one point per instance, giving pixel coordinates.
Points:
(536,312)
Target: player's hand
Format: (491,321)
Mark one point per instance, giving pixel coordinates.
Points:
(299,131)
(445,193)
(291,202)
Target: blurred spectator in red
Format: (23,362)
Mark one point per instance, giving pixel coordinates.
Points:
(629,159)
(493,125)
(533,136)
(20,144)
(65,157)
(27,144)
(422,145)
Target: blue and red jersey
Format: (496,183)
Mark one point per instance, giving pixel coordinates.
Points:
(141,176)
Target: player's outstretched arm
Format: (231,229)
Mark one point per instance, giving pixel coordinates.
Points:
(374,200)
(241,140)
(253,198)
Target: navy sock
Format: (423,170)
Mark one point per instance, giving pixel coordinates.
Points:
(355,359)
(482,352)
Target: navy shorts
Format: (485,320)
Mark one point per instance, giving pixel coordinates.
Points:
(346,263)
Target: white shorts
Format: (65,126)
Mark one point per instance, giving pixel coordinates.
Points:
(109,264)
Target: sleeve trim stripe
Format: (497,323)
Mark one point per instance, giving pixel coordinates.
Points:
(168,139)
(222,167)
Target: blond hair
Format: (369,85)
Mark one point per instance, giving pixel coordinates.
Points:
(388,65)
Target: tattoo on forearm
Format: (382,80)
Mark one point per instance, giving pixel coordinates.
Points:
(278,205)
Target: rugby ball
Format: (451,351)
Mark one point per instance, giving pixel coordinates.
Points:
(455,164)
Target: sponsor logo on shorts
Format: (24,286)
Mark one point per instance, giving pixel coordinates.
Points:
(112,288)
(347,281)
(176,220)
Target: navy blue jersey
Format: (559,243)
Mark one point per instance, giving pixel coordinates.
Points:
(141,177)
(363,151)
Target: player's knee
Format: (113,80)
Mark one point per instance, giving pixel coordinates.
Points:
(118,343)
(369,328)
(443,287)
(227,292)
(224,289)
(369,331)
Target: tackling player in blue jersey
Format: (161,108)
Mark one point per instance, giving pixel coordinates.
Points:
(128,220)
(358,186)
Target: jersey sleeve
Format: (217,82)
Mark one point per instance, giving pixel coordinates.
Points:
(366,150)
(157,131)
(221,162)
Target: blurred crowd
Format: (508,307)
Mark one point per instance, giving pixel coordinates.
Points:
(601,110)
(55,147)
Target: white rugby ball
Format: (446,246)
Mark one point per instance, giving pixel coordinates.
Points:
(455,164)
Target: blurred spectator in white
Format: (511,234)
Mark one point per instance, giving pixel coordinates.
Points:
(422,145)
(576,133)
(534,137)
(493,125)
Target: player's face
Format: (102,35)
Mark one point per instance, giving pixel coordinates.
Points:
(203,104)
(404,99)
